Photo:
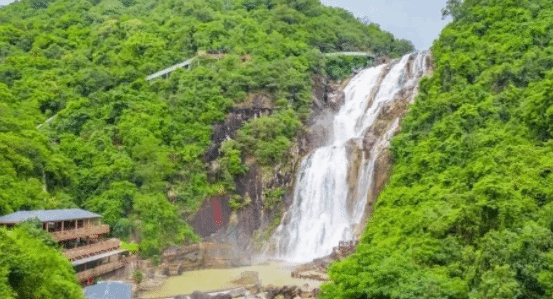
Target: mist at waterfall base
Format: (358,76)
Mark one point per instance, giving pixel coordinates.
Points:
(325,208)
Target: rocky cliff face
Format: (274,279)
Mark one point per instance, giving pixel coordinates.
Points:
(387,124)
(258,219)
(226,130)
(239,227)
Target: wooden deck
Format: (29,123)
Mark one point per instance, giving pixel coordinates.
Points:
(80,232)
(87,250)
(104,269)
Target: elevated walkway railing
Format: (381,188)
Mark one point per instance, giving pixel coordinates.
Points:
(87,250)
(187,63)
(86,231)
(168,70)
(350,54)
(104,269)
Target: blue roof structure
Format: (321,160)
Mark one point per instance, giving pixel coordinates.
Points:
(109,290)
(48,215)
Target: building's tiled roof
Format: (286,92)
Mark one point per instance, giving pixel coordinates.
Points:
(109,290)
(48,215)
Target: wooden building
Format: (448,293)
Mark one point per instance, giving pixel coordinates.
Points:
(82,236)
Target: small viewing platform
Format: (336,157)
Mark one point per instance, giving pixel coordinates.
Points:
(92,249)
(75,233)
(101,264)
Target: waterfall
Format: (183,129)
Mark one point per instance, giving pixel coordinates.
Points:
(326,205)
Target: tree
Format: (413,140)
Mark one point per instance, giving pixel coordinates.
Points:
(365,20)
(452,8)
(31,269)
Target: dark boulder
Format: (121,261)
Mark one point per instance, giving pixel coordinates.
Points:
(200,295)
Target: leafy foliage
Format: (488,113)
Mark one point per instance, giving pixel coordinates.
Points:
(80,126)
(452,8)
(138,276)
(29,268)
(337,67)
(467,211)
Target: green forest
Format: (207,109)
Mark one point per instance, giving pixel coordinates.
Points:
(32,266)
(81,127)
(468,211)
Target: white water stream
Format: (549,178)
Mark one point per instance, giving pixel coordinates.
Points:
(319,216)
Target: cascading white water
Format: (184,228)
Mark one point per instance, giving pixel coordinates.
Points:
(319,217)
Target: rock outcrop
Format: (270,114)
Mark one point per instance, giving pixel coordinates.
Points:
(227,129)
(387,125)
(291,292)
(238,227)
(200,295)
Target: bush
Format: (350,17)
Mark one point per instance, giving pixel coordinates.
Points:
(27,266)
(138,276)
(337,67)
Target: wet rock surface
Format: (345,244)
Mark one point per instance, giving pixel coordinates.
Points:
(248,278)
(200,295)
(387,124)
(204,221)
(252,185)
(335,99)
(290,292)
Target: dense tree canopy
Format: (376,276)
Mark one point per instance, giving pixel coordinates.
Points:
(80,126)
(468,210)
(31,265)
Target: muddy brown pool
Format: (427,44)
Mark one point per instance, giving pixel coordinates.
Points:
(275,273)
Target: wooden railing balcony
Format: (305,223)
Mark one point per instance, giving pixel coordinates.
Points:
(87,250)
(103,269)
(80,232)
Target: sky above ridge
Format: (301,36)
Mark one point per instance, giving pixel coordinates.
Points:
(416,20)
(419,21)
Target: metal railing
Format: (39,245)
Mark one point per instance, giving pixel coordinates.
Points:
(80,232)
(84,251)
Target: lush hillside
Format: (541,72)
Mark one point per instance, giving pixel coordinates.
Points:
(31,266)
(80,126)
(468,212)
